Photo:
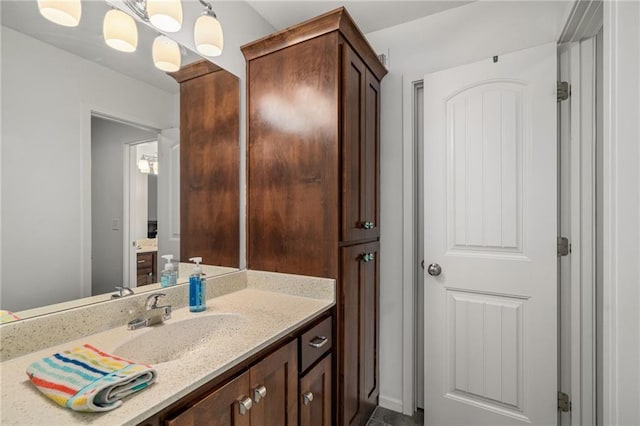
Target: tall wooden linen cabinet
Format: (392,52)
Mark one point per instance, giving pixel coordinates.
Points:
(313,99)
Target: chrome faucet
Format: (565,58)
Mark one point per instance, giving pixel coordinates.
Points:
(153,313)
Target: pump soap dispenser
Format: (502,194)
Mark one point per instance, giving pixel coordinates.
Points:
(168,277)
(197,282)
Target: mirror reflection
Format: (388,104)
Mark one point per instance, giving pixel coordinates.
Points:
(90,162)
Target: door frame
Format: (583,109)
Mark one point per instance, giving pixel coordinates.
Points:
(130,164)
(581,303)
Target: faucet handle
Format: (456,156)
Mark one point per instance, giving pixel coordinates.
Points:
(152,300)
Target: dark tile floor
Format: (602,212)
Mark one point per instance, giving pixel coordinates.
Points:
(383,417)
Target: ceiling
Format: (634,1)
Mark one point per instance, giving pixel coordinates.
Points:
(86,40)
(369,15)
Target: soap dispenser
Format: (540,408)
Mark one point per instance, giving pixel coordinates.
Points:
(168,277)
(197,282)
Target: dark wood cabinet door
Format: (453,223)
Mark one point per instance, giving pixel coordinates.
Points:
(209,159)
(358,312)
(361,103)
(277,378)
(222,407)
(316,396)
(292,160)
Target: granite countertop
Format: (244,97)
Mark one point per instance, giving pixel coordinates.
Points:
(267,315)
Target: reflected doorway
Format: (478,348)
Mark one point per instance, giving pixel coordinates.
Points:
(111,141)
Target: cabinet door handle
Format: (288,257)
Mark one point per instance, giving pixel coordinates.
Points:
(367,225)
(259,392)
(140,261)
(318,342)
(367,257)
(244,405)
(307,397)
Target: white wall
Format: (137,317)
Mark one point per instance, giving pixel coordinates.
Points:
(108,140)
(621,222)
(47,95)
(462,35)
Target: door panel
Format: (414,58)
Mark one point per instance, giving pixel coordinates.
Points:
(219,408)
(360,365)
(169,193)
(278,374)
(490,223)
(317,411)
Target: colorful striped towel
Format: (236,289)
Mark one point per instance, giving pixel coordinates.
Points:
(87,379)
(7,316)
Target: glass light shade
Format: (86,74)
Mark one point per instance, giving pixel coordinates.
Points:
(143,166)
(207,34)
(154,167)
(62,12)
(166,54)
(165,14)
(120,31)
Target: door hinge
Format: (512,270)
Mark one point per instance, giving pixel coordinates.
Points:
(564,403)
(564,248)
(564,91)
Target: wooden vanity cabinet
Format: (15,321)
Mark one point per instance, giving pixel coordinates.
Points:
(266,394)
(147,268)
(270,385)
(313,98)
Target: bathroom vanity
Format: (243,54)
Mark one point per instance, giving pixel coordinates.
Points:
(267,361)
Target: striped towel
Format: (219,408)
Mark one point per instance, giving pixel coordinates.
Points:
(7,316)
(89,380)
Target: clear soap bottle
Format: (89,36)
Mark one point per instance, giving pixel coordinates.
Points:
(169,276)
(197,282)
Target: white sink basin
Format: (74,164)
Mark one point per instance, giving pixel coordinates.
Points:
(173,339)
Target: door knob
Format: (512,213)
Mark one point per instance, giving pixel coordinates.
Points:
(434,269)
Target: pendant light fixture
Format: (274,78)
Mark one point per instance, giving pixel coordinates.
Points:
(120,31)
(207,33)
(165,15)
(166,54)
(62,12)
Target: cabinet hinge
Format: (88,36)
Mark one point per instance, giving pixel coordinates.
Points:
(564,403)
(564,248)
(564,91)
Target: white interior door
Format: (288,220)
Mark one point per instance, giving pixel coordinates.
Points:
(490,224)
(169,194)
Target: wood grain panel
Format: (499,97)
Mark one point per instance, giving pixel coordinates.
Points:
(209,164)
(293,160)
(278,373)
(219,408)
(359,354)
(318,382)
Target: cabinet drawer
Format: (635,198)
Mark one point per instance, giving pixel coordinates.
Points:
(315,342)
(145,261)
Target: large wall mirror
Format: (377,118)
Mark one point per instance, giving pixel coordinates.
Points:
(90,163)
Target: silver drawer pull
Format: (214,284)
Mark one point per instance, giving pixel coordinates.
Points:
(244,405)
(318,342)
(140,261)
(259,392)
(307,397)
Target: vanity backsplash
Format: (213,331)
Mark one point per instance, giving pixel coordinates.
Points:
(32,334)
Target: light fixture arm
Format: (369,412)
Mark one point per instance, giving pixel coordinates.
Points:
(139,7)
(209,8)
